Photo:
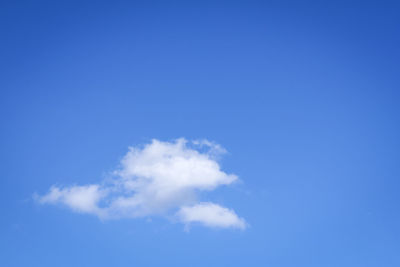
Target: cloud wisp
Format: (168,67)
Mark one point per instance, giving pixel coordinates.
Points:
(157,179)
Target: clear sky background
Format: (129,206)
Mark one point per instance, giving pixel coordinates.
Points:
(304,95)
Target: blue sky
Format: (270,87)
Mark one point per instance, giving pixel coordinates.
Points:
(302,95)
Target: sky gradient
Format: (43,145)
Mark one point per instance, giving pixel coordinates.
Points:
(304,97)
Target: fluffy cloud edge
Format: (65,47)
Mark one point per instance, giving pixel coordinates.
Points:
(81,199)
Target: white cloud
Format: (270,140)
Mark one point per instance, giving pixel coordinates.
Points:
(82,199)
(212,215)
(156,179)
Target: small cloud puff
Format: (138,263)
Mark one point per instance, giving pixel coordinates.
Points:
(212,215)
(160,178)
